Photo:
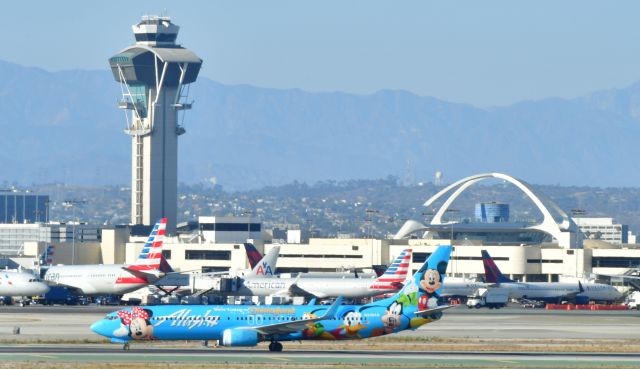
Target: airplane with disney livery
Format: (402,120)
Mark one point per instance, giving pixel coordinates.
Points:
(390,281)
(116,279)
(414,305)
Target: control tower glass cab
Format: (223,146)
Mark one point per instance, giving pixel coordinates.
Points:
(154,74)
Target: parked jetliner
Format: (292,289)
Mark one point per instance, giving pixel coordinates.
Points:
(239,325)
(390,281)
(461,287)
(115,279)
(21,284)
(580,293)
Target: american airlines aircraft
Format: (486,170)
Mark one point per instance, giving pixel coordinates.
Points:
(548,291)
(390,281)
(21,284)
(238,325)
(116,279)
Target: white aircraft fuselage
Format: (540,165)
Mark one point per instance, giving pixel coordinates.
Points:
(551,290)
(21,284)
(96,279)
(318,287)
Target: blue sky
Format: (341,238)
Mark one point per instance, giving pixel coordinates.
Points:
(479,52)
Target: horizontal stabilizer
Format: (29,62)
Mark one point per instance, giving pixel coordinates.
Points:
(296,325)
(434,310)
(148,275)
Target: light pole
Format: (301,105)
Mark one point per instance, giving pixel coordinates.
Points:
(72,204)
(575,213)
(369,220)
(455,253)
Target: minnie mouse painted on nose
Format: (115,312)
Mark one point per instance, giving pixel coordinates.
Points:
(138,322)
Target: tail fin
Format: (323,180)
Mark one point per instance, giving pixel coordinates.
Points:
(491,272)
(379,269)
(421,292)
(253,254)
(47,256)
(267,266)
(151,254)
(396,273)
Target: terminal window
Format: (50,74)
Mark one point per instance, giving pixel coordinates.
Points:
(207,255)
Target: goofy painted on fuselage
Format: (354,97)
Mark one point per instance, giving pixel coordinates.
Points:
(237,325)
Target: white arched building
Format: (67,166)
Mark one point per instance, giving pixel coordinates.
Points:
(555,223)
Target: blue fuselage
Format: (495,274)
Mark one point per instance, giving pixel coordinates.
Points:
(184,322)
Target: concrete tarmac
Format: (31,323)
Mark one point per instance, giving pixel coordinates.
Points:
(47,323)
(92,355)
(68,339)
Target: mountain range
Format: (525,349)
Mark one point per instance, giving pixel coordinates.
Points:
(66,127)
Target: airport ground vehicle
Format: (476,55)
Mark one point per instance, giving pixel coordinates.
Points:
(531,304)
(58,295)
(489,297)
(633,300)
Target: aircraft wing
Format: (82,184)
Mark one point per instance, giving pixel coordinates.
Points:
(295,290)
(293,326)
(433,310)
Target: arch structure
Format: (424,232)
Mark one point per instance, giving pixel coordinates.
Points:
(564,230)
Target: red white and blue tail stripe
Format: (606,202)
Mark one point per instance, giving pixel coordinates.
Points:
(396,274)
(151,254)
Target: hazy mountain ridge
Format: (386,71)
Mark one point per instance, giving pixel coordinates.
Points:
(65,126)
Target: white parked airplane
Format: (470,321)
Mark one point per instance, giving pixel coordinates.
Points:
(21,284)
(391,281)
(461,287)
(548,291)
(115,279)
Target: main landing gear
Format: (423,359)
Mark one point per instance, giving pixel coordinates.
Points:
(275,346)
(125,347)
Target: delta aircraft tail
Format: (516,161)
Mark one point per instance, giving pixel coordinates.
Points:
(267,266)
(491,272)
(253,254)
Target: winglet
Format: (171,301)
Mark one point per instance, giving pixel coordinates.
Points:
(580,288)
(331,312)
(312,301)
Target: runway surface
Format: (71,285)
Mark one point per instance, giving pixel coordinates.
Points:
(489,330)
(72,322)
(248,358)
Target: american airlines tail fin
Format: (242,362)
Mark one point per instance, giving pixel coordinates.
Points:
(151,255)
(267,266)
(395,274)
(253,254)
(491,272)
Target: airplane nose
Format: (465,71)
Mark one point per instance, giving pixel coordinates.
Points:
(99,328)
(43,289)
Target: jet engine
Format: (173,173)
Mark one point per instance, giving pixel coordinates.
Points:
(239,337)
(581,300)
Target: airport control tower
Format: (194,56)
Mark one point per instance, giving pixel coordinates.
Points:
(155,74)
